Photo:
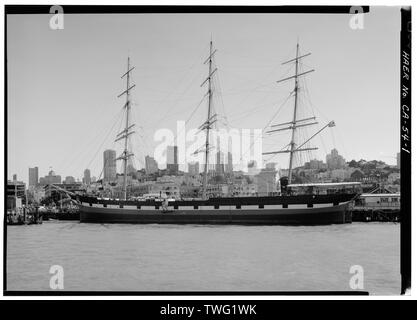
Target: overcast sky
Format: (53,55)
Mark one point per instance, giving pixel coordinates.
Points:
(63,84)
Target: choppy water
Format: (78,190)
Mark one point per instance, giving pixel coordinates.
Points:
(204,258)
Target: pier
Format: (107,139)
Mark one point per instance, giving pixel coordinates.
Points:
(384,207)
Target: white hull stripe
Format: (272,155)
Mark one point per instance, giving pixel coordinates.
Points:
(191,208)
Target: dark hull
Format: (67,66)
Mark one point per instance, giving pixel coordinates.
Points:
(335,214)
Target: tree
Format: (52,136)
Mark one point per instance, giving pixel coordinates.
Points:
(353,164)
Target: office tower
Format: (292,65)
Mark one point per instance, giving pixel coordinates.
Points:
(219,163)
(172,160)
(229,165)
(87,176)
(33,176)
(109,166)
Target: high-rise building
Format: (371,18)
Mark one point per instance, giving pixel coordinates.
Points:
(398,160)
(151,166)
(194,168)
(229,165)
(172,160)
(219,163)
(334,160)
(33,176)
(87,176)
(109,166)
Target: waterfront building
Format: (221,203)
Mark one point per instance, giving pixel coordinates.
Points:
(15,193)
(379,201)
(16,188)
(266,182)
(87,177)
(172,160)
(244,190)
(109,166)
(169,189)
(151,166)
(33,176)
(334,160)
(162,188)
(218,190)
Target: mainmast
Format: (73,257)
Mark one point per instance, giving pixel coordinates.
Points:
(296,123)
(126,132)
(294,119)
(210,118)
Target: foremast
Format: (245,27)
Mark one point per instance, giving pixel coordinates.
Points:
(124,135)
(296,123)
(211,118)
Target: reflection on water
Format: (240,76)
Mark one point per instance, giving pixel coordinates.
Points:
(204,258)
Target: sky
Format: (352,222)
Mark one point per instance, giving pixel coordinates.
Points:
(63,110)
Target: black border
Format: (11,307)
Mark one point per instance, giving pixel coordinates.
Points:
(204,9)
(145,9)
(405,111)
(151,309)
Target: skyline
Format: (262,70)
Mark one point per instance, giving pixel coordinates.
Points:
(189,166)
(70,79)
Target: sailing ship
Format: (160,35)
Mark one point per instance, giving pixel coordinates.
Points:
(309,207)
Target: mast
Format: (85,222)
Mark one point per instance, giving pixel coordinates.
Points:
(296,123)
(294,119)
(210,118)
(126,132)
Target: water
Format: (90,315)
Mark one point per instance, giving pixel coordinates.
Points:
(204,258)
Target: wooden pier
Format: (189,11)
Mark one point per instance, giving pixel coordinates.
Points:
(377,207)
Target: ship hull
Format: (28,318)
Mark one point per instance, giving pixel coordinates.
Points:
(298,215)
